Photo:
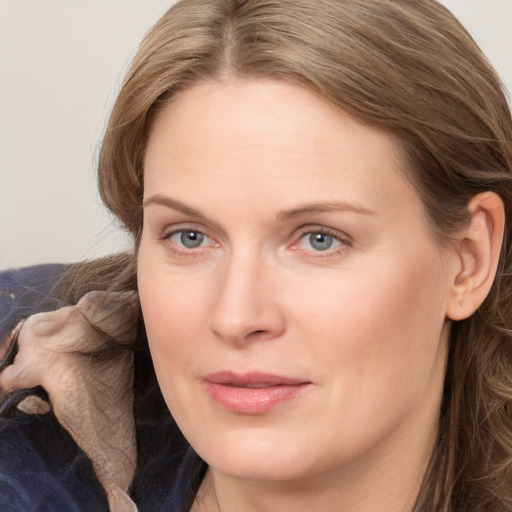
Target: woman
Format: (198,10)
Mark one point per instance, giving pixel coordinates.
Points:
(319,195)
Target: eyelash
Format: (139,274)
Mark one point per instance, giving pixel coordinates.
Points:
(184,251)
(343,242)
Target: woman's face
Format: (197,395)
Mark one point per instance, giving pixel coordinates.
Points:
(293,295)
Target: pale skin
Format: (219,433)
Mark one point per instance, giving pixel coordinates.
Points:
(243,179)
(309,257)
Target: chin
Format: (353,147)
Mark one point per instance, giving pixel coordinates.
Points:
(255,454)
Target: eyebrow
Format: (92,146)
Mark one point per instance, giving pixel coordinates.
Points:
(283,215)
(160,200)
(331,206)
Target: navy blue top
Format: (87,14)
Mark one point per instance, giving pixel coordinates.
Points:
(41,467)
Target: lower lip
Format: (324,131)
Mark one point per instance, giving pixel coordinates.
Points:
(252,400)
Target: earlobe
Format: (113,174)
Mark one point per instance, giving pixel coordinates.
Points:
(478,250)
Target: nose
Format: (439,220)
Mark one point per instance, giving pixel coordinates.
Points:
(246,308)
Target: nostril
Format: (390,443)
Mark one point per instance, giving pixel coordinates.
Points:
(257,335)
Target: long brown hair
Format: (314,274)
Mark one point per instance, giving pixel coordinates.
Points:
(411,68)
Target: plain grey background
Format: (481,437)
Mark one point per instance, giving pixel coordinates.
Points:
(61,63)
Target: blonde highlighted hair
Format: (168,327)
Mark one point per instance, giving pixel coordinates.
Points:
(409,67)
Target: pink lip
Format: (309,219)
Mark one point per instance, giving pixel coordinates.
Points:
(252,393)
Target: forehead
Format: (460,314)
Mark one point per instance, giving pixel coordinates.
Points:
(228,137)
(265,115)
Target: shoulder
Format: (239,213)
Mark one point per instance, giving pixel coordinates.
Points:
(41,468)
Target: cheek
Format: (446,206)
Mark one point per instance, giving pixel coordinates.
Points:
(175,309)
(378,327)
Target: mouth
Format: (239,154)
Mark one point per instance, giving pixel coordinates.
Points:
(252,393)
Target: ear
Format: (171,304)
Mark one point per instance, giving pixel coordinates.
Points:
(478,249)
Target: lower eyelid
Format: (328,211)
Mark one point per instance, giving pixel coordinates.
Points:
(179,249)
(341,242)
(336,244)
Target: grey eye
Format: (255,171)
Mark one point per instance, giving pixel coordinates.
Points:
(320,241)
(188,239)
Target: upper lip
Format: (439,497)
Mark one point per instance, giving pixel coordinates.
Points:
(229,378)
